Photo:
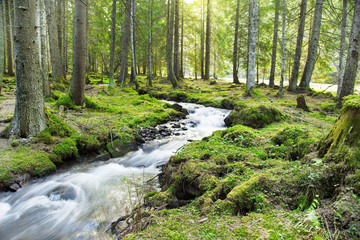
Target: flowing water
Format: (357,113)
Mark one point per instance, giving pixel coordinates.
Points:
(80,202)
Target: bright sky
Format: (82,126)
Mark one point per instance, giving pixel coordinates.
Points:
(189,1)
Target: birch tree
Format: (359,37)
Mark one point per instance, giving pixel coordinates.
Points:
(250,81)
(274,45)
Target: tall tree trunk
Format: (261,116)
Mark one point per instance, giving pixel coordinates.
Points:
(132,43)
(274,45)
(250,81)
(202,48)
(299,42)
(125,44)
(2,52)
(29,115)
(150,44)
(342,47)
(195,59)
(80,52)
(313,46)
(208,42)
(281,91)
(169,48)
(64,44)
(59,4)
(112,46)
(235,52)
(55,50)
(176,40)
(182,42)
(352,59)
(9,40)
(44,49)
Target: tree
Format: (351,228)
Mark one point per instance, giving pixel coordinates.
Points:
(9,40)
(44,49)
(112,45)
(2,52)
(169,47)
(274,45)
(250,81)
(342,47)
(280,93)
(29,115)
(150,44)
(52,17)
(352,59)
(176,40)
(202,47)
(235,52)
(80,52)
(208,41)
(182,42)
(299,42)
(313,46)
(125,44)
(132,42)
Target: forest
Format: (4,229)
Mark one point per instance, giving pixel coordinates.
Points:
(179,119)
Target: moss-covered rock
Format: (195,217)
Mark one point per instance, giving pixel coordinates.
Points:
(255,117)
(55,125)
(120,147)
(87,143)
(67,149)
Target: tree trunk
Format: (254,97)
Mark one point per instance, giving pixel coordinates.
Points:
(352,59)
(29,115)
(274,46)
(313,46)
(299,41)
(176,40)
(9,40)
(64,44)
(182,42)
(208,42)
(235,52)
(202,48)
(281,91)
(195,59)
(2,52)
(132,42)
(55,51)
(125,44)
(250,81)
(112,46)
(150,44)
(342,47)
(44,49)
(169,48)
(80,53)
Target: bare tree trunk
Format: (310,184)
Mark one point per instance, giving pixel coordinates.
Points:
(235,52)
(112,46)
(64,44)
(313,46)
(182,42)
(80,52)
(29,115)
(132,42)
(44,49)
(342,47)
(2,52)
(274,46)
(299,42)
(281,91)
(125,44)
(150,44)
(208,42)
(176,40)
(250,81)
(352,59)
(202,50)
(55,51)
(169,48)
(9,40)
(195,59)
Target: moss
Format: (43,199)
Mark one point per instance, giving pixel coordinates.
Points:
(351,102)
(241,135)
(87,143)
(89,103)
(67,149)
(55,125)
(44,136)
(66,101)
(15,143)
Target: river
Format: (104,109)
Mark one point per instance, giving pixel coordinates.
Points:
(80,202)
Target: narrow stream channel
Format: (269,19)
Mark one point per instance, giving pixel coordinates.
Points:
(81,202)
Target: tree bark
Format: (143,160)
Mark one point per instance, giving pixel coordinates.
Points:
(195,59)
(176,40)
(313,46)
(274,45)
(80,52)
(112,45)
(182,42)
(9,41)
(64,44)
(125,44)
(132,42)
(235,52)
(55,50)
(169,48)
(352,59)
(342,47)
(2,52)
(150,45)
(208,41)
(281,91)
(299,42)
(250,81)
(44,49)
(29,115)
(202,47)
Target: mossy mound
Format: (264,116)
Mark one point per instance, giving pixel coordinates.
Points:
(255,117)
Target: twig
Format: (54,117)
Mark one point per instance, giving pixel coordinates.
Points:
(252,224)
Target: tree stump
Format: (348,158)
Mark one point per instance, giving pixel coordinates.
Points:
(301,103)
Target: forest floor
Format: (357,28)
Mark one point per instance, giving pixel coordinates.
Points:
(259,179)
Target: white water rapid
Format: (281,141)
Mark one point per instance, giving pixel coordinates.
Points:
(80,202)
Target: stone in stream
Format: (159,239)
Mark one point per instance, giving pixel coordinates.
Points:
(14,187)
(179,108)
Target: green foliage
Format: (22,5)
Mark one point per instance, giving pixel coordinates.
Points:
(55,125)
(89,103)
(351,102)
(67,149)
(66,101)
